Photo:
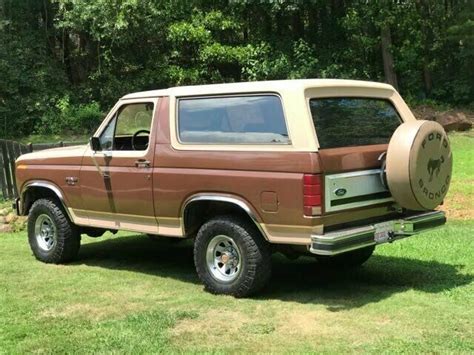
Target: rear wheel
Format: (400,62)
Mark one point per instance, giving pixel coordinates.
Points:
(347,260)
(52,236)
(231,257)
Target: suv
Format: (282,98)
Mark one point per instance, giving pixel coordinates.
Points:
(329,168)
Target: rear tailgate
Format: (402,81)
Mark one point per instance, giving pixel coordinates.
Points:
(353,177)
(353,134)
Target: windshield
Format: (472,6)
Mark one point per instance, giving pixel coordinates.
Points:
(349,121)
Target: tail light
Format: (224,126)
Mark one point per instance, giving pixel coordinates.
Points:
(312,195)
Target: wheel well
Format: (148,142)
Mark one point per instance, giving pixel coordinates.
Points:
(199,212)
(35,193)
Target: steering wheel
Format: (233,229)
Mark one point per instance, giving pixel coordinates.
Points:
(135,135)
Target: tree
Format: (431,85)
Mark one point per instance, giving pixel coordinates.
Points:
(79,52)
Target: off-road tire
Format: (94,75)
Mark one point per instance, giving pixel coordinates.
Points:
(255,269)
(350,259)
(68,239)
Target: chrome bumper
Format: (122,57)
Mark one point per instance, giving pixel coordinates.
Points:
(345,240)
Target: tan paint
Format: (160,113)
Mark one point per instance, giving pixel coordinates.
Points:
(419,165)
(290,234)
(118,221)
(180,171)
(170,227)
(294,94)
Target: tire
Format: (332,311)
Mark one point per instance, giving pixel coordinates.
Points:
(52,236)
(347,260)
(248,257)
(419,165)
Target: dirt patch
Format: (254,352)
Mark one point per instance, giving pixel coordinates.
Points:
(458,206)
(10,222)
(267,330)
(222,321)
(324,323)
(90,311)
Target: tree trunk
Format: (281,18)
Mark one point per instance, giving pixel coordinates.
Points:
(428,80)
(246,24)
(297,24)
(424,9)
(388,66)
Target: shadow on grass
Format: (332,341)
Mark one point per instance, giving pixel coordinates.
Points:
(296,281)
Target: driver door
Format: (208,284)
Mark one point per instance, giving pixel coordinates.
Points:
(116,182)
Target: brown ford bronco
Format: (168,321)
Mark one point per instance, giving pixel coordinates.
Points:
(329,168)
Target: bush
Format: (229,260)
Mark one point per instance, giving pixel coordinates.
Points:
(69,118)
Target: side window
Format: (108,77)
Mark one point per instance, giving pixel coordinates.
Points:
(129,129)
(256,119)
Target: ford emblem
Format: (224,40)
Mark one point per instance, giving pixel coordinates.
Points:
(340,192)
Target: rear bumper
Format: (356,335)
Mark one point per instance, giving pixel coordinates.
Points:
(345,240)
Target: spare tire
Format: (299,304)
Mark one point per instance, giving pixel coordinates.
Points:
(419,165)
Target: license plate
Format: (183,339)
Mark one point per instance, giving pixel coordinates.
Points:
(383,232)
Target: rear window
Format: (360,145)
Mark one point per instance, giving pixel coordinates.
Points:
(255,119)
(344,121)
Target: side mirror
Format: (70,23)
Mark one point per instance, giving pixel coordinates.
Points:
(94,142)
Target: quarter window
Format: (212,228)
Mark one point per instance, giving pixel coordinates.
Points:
(256,119)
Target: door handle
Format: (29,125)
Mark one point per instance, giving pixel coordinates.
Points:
(142,163)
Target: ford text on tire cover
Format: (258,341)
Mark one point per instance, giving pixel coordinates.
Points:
(328,168)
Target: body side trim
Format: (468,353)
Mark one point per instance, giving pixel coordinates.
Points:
(115,221)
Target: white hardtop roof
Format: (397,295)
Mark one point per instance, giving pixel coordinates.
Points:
(257,86)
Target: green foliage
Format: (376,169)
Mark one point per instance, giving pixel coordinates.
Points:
(65,117)
(262,62)
(29,76)
(97,51)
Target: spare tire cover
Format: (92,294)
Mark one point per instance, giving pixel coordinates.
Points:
(419,165)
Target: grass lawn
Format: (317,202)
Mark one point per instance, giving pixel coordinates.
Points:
(127,293)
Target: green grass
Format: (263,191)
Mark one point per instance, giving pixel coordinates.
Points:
(5,203)
(460,199)
(128,294)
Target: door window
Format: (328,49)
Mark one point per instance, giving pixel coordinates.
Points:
(130,128)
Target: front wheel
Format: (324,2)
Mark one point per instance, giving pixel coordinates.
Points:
(231,257)
(52,236)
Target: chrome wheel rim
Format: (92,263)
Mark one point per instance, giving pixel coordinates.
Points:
(224,258)
(45,232)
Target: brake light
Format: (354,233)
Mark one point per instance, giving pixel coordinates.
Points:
(312,195)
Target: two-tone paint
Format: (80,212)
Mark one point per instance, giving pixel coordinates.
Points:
(149,191)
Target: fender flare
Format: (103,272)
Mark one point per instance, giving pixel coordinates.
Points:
(234,200)
(47,185)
